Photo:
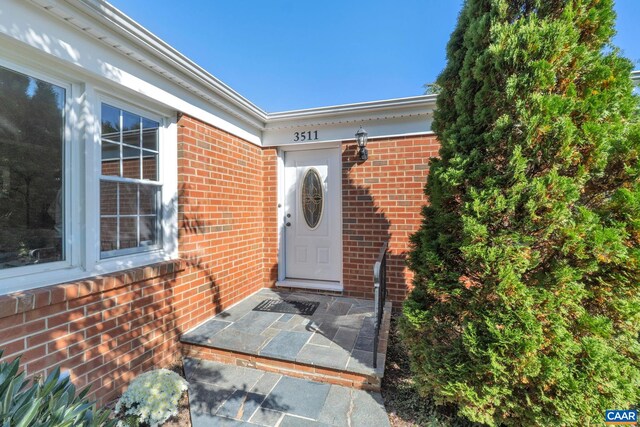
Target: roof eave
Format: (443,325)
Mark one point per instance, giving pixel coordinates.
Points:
(422,101)
(152,44)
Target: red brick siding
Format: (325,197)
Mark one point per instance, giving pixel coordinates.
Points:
(227,191)
(381,200)
(104,331)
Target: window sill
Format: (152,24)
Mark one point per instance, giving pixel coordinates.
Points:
(22,302)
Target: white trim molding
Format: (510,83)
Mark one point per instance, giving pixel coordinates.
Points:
(84,42)
(381,106)
(393,117)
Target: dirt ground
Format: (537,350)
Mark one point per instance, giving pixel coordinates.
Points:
(183,419)
(406,408)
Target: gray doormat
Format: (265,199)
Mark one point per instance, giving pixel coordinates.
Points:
(304,308)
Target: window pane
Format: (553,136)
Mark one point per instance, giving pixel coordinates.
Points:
(128,199)
(108,234)
(110,123)
(148,197)
(150,134)
(128,233)
(110,159)
(130,216)
(148,231)
(108,198)
(31,170)
(130,162)
(149,166)
(130,129)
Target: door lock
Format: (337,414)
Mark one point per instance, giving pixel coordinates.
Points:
(288,224)
(288,215)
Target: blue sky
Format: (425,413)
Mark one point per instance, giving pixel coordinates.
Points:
(290,54)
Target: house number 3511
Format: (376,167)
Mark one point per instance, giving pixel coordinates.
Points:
(310,135)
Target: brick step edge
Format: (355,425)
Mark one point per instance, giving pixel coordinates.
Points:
(292,369)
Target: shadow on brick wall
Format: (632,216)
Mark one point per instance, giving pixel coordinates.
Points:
(190,224)
(366,226)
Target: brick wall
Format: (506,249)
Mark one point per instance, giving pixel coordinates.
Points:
(227,219)
(104,331)
(381,200)
(107,330)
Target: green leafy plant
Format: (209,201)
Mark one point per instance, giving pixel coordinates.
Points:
(151,399)
(54,402)
(526,304)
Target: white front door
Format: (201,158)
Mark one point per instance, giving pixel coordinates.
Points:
(313,241)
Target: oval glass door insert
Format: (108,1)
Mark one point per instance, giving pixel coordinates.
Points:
(312,196)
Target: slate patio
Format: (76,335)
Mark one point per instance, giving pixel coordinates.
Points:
(227,395)
(339,335)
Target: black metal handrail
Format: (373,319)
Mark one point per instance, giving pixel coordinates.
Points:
(380,295)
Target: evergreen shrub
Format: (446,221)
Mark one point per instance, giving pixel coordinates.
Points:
(526,305)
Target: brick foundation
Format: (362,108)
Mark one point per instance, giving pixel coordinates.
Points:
(292,369)
(103,331)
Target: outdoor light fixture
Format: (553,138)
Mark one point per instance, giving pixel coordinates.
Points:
(361,139)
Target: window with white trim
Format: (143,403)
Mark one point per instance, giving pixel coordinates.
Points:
(130,189)
(88,181)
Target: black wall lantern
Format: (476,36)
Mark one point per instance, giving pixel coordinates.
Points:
(361,139)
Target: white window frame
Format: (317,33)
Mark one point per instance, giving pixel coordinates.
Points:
(105,99)
(82,166)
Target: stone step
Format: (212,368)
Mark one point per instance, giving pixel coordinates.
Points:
(226,395)
(334,345)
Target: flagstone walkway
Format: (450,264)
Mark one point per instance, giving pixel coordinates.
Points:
(227,395)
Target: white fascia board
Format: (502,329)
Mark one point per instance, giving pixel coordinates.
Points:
(387,105)
(54,32)
(345,131)
(388,118)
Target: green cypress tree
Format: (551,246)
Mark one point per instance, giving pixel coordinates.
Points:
(526,304)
